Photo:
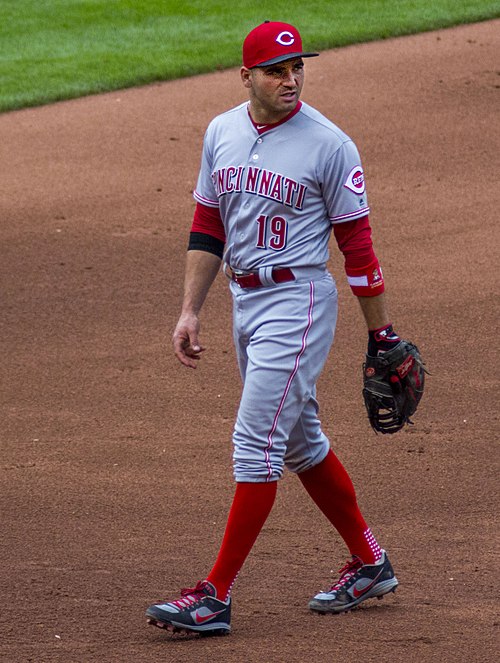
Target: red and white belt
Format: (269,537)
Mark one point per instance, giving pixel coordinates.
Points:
(272,275)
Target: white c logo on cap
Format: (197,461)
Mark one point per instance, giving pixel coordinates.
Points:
(285,38)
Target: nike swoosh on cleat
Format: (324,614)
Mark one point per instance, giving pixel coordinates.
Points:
(359,592)
(201,619)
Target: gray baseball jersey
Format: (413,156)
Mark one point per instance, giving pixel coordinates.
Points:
(280,191)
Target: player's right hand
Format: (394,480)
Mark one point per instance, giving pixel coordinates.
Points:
(185,339)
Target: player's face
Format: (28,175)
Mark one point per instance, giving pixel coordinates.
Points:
(274,90)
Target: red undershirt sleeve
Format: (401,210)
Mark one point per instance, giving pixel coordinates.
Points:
(207,231)
(208,220)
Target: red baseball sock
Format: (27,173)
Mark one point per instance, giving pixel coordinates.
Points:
(331,488)
(251,506)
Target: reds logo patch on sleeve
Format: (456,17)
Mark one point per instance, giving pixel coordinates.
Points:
(356,180)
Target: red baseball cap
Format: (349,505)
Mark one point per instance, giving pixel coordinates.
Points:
(272,42)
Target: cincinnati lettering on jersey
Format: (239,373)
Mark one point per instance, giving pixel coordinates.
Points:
(260,182)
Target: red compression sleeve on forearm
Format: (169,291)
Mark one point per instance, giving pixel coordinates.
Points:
(354,239)
(208,220)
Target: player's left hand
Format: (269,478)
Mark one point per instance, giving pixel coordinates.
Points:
(393,384)
(187,347)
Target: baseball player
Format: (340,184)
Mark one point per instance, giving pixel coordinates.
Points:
(276,177)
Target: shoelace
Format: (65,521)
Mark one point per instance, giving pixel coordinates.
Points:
(346,572)
(190,596)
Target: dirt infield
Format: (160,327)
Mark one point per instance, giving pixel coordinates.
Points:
(116,461)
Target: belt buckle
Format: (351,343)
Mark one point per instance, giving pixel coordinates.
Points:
(237,274)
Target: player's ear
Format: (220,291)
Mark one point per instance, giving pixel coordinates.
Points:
(246,76)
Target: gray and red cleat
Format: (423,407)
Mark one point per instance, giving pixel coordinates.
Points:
(197,611)
(357,583)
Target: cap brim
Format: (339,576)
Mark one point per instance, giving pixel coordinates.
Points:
(283,58)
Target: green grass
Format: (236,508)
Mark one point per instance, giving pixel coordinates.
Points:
(58,49)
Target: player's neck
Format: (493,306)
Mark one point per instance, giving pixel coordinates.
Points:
(262,119)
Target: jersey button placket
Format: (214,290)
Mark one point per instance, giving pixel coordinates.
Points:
(254,157)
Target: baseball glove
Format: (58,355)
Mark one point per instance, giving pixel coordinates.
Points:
(393,384)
